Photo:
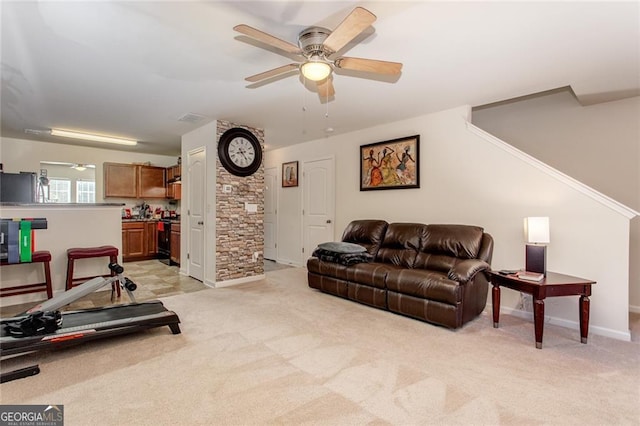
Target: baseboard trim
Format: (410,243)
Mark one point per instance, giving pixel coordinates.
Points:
(229,283)
(289,262)
(574,325)
(634,309)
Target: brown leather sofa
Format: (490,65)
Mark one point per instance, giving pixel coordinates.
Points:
(435,273)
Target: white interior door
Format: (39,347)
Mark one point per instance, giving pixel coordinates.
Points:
(196,213)
(319,203)
(270,211)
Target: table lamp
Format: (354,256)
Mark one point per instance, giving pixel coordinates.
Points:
(536,232)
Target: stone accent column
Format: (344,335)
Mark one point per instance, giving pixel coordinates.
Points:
(239,234)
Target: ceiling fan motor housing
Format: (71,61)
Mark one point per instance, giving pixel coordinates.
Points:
(311,41)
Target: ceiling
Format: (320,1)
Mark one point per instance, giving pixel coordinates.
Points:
(132,69)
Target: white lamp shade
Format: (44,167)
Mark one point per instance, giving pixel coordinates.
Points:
(316,71)
(536,230)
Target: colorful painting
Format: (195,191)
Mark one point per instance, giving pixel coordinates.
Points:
(391,164)
(290,174)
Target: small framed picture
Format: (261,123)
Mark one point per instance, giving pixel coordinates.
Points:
(393,164)
(290,174)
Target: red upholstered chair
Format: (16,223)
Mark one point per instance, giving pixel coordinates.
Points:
(41,256)
(74,254)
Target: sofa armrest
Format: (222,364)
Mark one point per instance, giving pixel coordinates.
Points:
(467,269)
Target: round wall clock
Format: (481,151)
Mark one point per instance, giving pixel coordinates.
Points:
(240,152)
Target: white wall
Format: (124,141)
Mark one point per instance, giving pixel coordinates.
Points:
(201,138)
(597,144)
(466,178)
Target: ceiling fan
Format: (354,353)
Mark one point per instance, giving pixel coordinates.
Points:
(317,47)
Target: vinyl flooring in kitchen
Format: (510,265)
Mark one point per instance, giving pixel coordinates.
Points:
(154,280)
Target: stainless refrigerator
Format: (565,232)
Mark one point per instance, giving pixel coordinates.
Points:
(18,187)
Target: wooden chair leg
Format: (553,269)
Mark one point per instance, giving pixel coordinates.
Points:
(69,284)
(47,277)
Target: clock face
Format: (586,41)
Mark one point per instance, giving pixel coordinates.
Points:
(239,152)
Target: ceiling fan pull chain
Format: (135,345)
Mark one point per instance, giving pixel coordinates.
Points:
(328,129)
(304,107)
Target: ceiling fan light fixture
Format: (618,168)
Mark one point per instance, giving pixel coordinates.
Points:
(92,137)
(315,70)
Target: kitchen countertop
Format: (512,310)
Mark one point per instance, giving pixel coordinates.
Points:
(173,220)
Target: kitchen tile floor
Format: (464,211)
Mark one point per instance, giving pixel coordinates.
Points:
(154,280)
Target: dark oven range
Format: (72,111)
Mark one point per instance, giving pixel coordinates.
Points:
(164,241)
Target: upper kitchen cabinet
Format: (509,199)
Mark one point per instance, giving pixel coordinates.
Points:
(134,181)
(174,182)
(151,182)
(120,180)
(174,172)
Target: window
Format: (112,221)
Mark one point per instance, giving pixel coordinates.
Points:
(85,191)
(59,190)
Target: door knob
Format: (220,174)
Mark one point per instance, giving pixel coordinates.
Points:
(328,220)
(200,222)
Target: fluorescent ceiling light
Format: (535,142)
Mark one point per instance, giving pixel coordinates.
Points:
(90,137)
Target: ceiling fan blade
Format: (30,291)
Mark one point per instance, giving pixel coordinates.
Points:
(369,65)
(268,39)
(356,22)
(272,73)
(325,88)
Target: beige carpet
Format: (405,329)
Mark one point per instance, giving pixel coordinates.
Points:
(278,352)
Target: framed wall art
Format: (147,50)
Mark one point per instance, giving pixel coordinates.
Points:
(393,164)
(290,174)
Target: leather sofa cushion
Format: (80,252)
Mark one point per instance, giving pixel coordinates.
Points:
(401,243)
(330,269)
(367,233)
(369,274)
(442,246)
(424,284)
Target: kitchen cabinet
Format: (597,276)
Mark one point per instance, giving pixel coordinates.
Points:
(174,190)
(139,240)
(151,182)
(174,172)
(174,182)
(175,242)
(134,181)
(120,180)
(133,241)
(152,238)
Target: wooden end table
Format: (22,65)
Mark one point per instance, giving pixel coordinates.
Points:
(552,285)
